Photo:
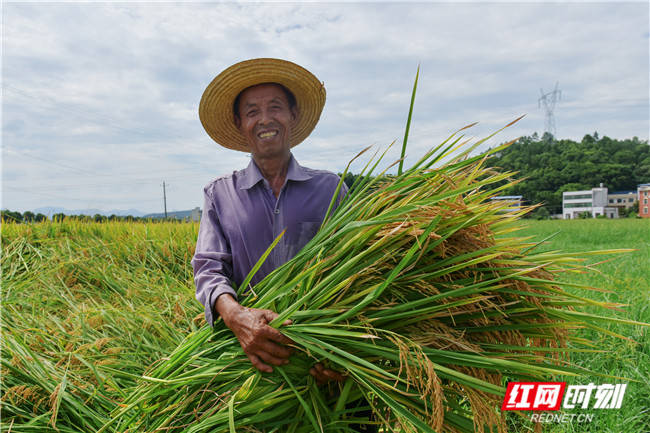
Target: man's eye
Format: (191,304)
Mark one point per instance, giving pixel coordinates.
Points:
(251,113)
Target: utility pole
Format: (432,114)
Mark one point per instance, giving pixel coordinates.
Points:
(165,199)
(549,100)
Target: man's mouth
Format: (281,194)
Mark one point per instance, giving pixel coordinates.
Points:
(267,134)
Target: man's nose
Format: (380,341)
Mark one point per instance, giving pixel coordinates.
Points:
(265,116)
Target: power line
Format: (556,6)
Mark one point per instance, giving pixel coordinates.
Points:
(77,169)
(125,183)
(68,198)
(112,175)
(549,100)
(44,102)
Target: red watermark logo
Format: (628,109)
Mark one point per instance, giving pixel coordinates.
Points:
(547,396)
(533,396)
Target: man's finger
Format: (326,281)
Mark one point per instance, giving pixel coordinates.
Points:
(275,335)
(320,379)
(257,363)
(269,315)
(269,358)
(324,375)
(273,349)
(334,375)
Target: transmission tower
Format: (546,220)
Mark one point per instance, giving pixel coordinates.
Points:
(549,100)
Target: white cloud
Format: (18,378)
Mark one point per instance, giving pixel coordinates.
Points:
(112,89)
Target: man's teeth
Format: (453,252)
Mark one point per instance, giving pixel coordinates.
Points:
(267,134)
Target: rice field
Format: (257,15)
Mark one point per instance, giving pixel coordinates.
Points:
(87,308)
(626,279)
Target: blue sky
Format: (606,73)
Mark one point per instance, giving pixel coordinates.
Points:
(100,100)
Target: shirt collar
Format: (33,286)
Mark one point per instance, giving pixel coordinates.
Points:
(251,175)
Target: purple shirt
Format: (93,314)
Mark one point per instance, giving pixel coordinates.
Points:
(241,218)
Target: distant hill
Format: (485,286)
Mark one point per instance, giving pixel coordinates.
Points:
(182,214)
(50,210)
(549,166)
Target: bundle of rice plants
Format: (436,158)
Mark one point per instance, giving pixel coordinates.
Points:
(417,288)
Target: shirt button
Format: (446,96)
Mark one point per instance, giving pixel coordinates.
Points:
(276,211)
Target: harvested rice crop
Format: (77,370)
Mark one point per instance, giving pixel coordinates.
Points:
(416,288)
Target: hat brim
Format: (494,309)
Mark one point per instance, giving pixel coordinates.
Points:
(216,107)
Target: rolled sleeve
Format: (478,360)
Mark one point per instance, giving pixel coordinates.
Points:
(212,261)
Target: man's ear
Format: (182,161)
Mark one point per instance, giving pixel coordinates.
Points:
(237,121)
(294,115)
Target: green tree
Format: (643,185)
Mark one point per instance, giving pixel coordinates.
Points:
(641,172)
(541,213)
(8,215)
(550,166)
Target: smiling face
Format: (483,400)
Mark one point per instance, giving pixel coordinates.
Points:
(265,118)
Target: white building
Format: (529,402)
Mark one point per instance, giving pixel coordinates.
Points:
(593,201)
(514,202)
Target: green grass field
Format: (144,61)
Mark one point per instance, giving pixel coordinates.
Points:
(87,308)
(626,277)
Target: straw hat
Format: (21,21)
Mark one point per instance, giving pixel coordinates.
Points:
(216,107)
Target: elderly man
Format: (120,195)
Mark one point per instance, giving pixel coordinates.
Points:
(262,107)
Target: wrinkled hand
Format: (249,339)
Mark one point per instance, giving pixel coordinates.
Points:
(324,375)
(262,344)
